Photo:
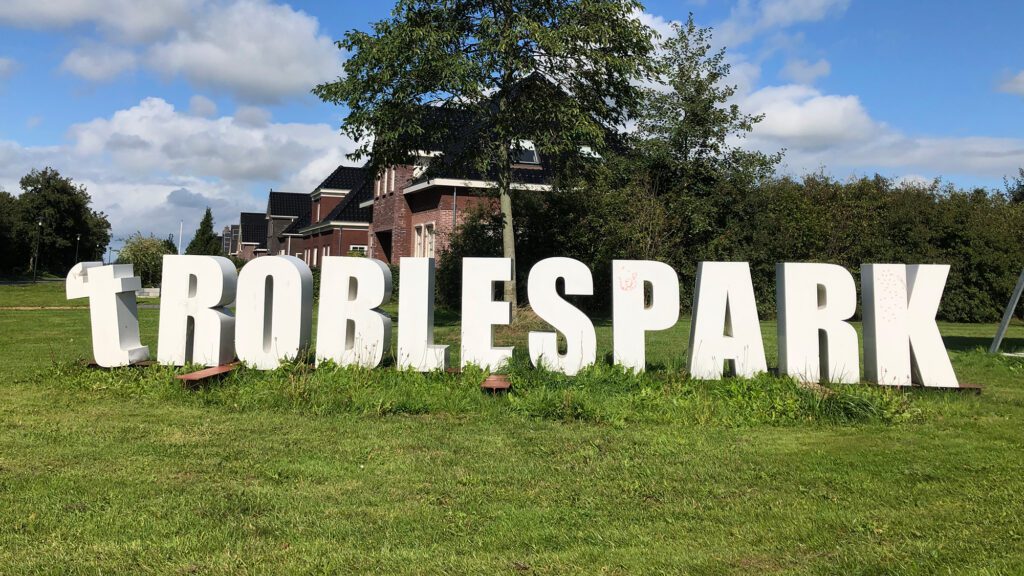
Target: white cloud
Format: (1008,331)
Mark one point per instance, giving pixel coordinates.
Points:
(779,13)
(660,25)
(252,116)
(804,72)
(97,62)
(748,19)
(199,105)
(128,19)
(253,49)
(837,132)
(1013,84)
(150,165)
(7,67)
(804,118)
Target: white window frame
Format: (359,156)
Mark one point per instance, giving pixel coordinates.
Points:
(417,245)
(429,239)
(315,252)
(361,248)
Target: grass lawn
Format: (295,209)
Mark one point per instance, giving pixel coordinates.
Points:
(347,471)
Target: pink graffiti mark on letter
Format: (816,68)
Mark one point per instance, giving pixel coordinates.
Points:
(628,284)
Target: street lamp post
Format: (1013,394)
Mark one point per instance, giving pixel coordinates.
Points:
(78,240)
(35,261)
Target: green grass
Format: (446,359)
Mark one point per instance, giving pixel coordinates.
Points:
(349,471)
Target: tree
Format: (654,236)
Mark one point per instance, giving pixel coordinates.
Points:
(56,211)
(10,256)
(686,158)
(145,254)
(205,242)
(1015,187)
(559,73)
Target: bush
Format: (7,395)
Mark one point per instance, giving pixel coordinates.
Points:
(979,233)
(146,255)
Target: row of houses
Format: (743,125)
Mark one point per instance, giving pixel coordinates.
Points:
(403,211)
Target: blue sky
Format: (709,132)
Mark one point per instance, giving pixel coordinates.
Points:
(164,108)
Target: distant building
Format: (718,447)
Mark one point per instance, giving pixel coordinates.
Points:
(252,235)
(226,237)
(230,239)
(335,224)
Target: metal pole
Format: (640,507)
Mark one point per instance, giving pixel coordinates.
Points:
(78,240)
(1007,315)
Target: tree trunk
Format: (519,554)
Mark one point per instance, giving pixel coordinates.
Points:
(508,238)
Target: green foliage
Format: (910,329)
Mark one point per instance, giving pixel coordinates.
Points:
(146,255)
(682,194)
(63,208)
(600,394)
(205,242)
(560,73)
(487,58)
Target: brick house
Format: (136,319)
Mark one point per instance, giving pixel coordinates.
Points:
(415,209)
(334,223)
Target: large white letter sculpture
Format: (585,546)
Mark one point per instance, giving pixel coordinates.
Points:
(416,348)
(631,317)
(480,313)
(274,311)
(580,338)
(725,327)
(112,311)
(350,329)
(814,302)
(902,343)
(194,325)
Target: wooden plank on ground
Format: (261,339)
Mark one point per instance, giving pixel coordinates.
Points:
(496,383)
(207,373)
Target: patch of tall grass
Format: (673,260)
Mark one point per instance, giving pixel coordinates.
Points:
(603,393)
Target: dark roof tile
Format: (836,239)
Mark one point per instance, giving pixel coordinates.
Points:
(348,209)
(345,178)
(254,228)
(287,204)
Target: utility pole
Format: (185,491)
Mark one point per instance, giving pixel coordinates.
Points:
(35,261)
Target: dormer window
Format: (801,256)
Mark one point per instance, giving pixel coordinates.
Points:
(526,153)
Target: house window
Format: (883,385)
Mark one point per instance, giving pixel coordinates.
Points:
(357,249)
(527,153)
(315,252)
(327,251)
(428,241)
(423,246)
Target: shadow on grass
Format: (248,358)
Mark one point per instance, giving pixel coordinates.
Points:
(972,343)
